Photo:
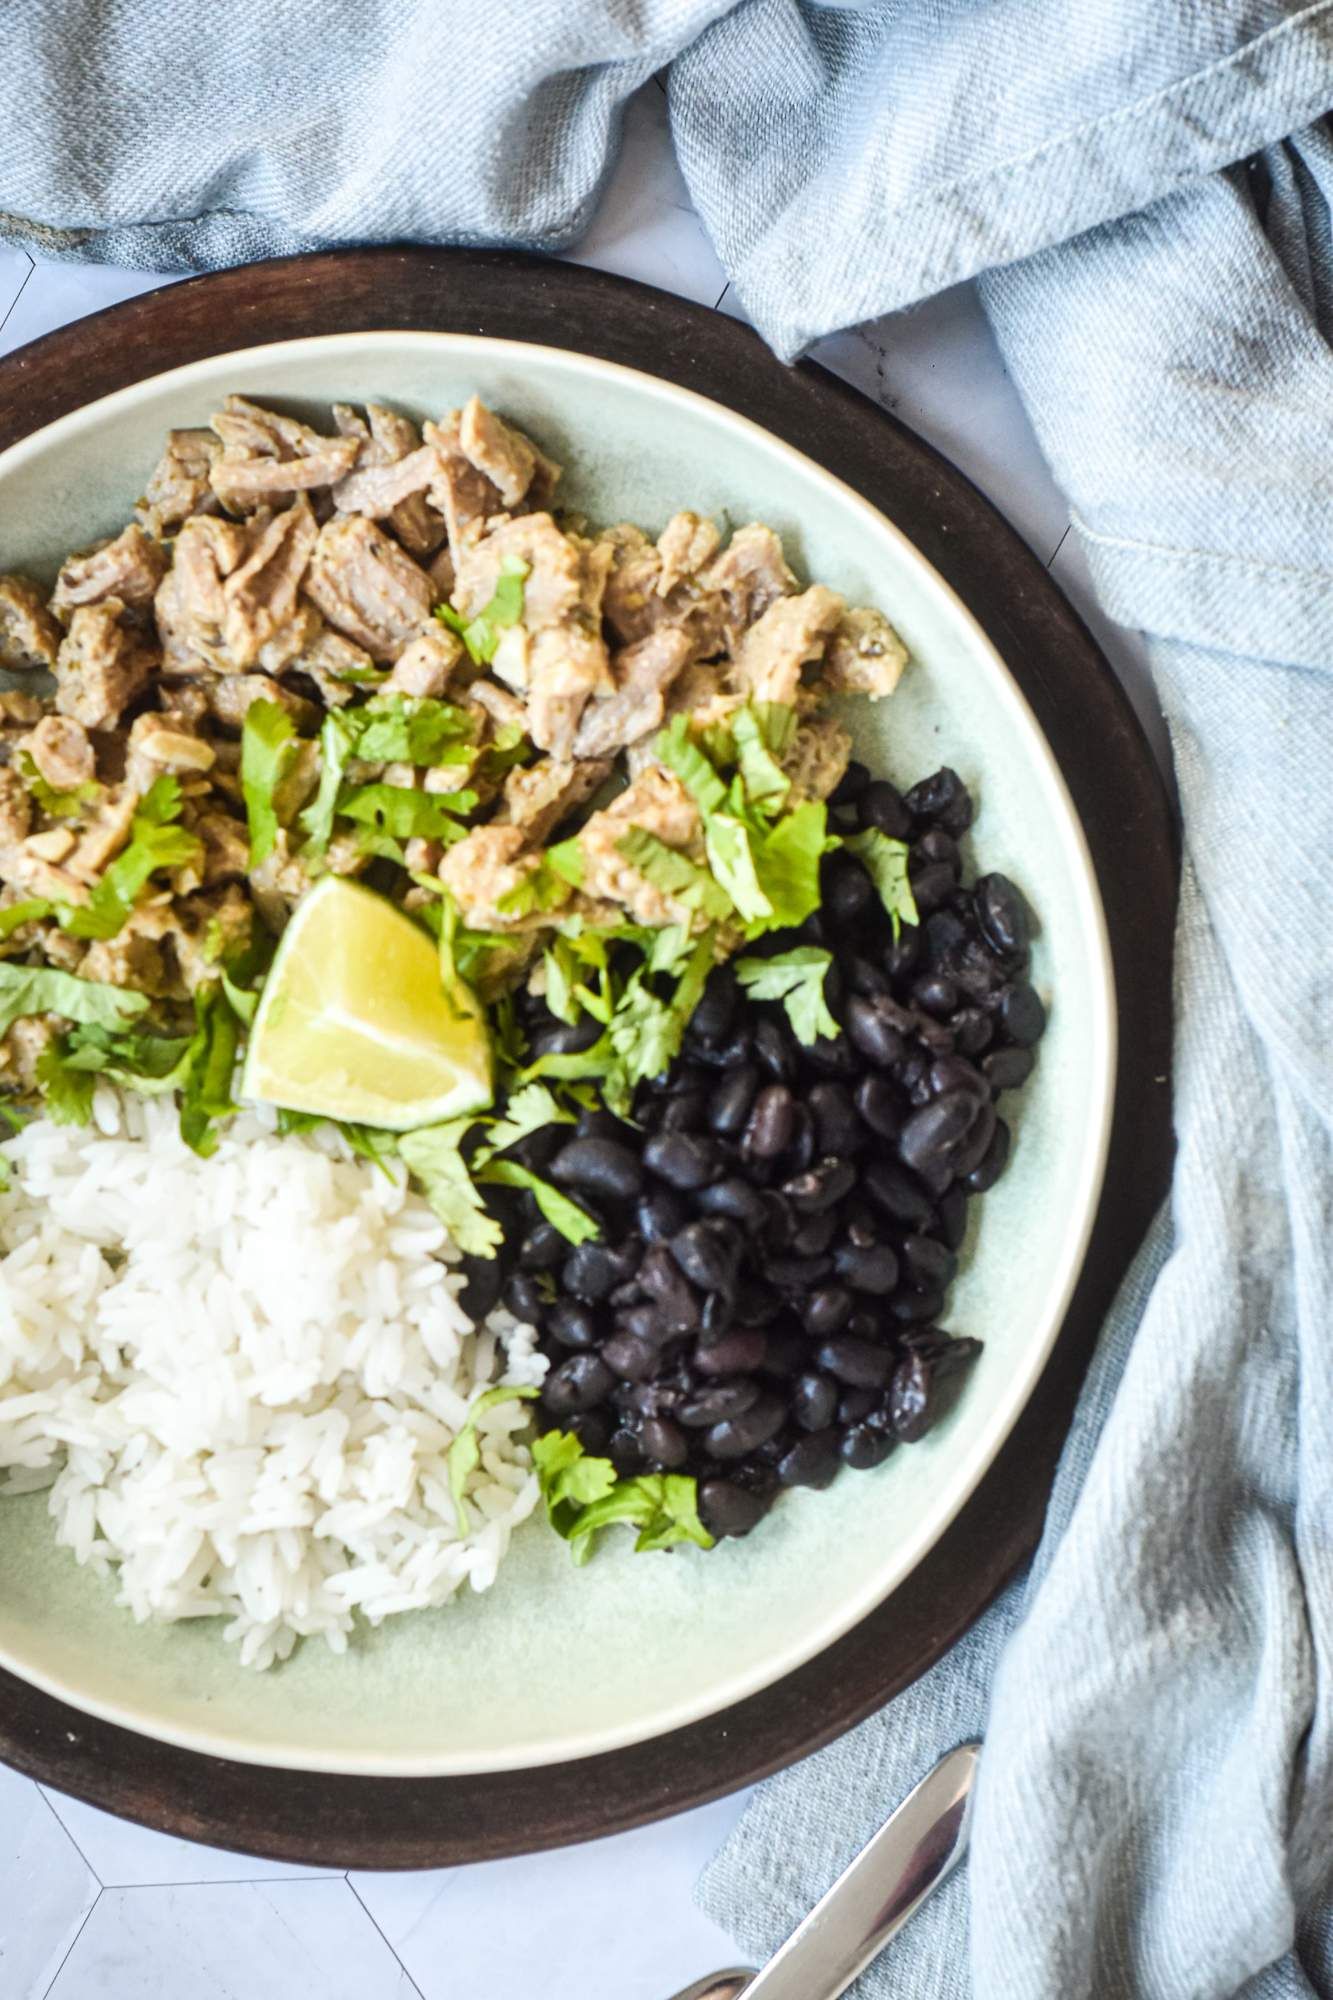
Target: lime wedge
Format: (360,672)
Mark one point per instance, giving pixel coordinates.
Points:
(355,1023)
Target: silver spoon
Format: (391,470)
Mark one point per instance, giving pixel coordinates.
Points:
(916,1848)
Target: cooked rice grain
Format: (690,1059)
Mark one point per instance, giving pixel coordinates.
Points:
(240,1377)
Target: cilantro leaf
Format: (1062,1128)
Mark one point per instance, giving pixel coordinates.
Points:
(732,860)
(54,803)
(677,749)
(572,1221)
(796,978)
(787,864)
(528,1110)
(268,748)
(150,1064)
(464,1454)
(885,861)
(645,1032)
(405,813)
(66,1092)
(411,729)
(154,844)
(337,741)
(205,1086)
(566,858)
(481,635)
(542,888)
(433,1155)
(582,1495)
(761,732)
(30,989)
(18,914)
(674,873)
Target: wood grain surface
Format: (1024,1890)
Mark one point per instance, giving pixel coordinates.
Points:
(1107,764)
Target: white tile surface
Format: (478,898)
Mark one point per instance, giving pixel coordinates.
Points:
(46,1890)
(612,1921)
(275,1941)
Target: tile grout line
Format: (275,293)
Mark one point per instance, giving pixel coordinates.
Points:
(70,1838)
(49,1988)
(387,1946)
(32,266)
(226,1882)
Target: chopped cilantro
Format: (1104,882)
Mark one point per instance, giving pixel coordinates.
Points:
(481,635)
(732,860)
(787,862)
(677,749)
(434,1156)
(674,873)
(205,1087)
(66,1092)
(26,989)
(527,1111)
(269,744)
(885,861)
(572,1221)
(18,914)
(583,1495)
(154,843)
(796,978)
(406,814)
(54,803)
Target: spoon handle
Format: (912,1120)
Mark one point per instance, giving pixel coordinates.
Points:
(891,1877)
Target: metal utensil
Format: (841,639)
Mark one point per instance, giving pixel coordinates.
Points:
(916,1848)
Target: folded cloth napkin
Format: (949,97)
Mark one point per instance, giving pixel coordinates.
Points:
(1155,1816)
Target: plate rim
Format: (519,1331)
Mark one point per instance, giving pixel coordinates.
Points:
(516,274)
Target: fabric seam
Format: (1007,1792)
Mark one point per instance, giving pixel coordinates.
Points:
(1169,554)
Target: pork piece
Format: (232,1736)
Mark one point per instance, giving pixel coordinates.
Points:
(20,709)
(750,575)
(556,655)
(267,459)
(29,635)
(15,808)
(510,461)
(104,835)
(226,843)
(815,759)
(539,797)
(465,497)
(503,709)
(428,662)
(367,586)
(134,957)
(205,928)
(658,802)
(441,574)
(279,882)
(230,698)
(643,672)
(102,665)
(329,659)
(865,656)
(165,744)
(391,476)
(180,485)
(262,619)
(698,692)
(22,1048)
(484,867)
(60,749)
(789,636)
(55,843)
(189,606)
(652,584)
(130,568)
(30,874)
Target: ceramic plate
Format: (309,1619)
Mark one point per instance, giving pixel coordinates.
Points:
(555,1663)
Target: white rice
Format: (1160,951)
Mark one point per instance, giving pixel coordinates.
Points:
(240,1377)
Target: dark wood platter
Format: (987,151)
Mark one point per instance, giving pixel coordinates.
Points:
(1119,794)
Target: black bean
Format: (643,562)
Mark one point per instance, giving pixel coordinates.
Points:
(955,1072)
(600,1124)
(580,1383)
(1021,1014)
(936,994)
(787,1352)
(714,1014)
(708,1252)
(855,1362)
(837,1128)
(686,1113)
(873,1032)
(865,977)
(826,1311)
(626,1452)
(1002,914)
(543,1249)
(771,1123)
(536,1150)
(946,932)
(592,1428)
(563,1040)
(660,1212)
(992,1162)
(727,1509)
(909,1398)
(943,800)
(572,1323)
(719,1310)
(936,846)
(883,807)
(735,1436)
(925,1262)
(631,1357)
(645,1321)
(719,1400)
(864,1447)
(897,1194)
(524,1298)
(1006,1069)
(602,1166)
(683,1159)
(661,1278)
(735,1198)
(733,1100)
(814,1398)
(664,1443)
(931,1137)
(872,1270)
(815,1235)
(850,785)
(908,1308)
(931,885)
(951,1217)
(975,1147)
(739,1352)
(800,1152)
(878,1104)
(823,1186)
(903,953)
(756,1304)
(775,1050)
(797,1274)
(860,1225)
(482,1279)
(832,1055)
(856,1405)
(848,890)
(865,1324)
(811,1461)
(972,1031)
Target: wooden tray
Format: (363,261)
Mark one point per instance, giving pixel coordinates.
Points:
(1109,768)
